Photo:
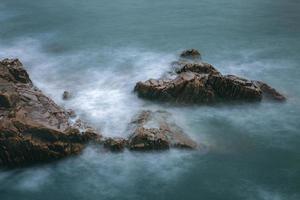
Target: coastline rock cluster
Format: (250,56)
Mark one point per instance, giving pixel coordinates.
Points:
(197,82)
(33,129)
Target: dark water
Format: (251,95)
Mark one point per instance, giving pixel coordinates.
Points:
(99,49)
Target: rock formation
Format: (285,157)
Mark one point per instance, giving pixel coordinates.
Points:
(153,130)
(199,82)
(33,129)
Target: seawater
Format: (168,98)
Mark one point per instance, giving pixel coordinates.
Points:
(99,49)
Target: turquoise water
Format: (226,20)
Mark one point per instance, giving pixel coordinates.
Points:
(99,49)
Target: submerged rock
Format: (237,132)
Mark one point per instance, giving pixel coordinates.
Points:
(154,131)
(66,95)
(200,82)
(33,128)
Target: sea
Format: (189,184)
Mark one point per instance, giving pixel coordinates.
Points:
(99,49)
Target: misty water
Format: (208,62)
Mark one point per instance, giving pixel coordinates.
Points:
(99,49)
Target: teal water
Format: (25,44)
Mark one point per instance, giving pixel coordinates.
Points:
(99,49)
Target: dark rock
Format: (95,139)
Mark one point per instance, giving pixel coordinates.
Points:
(187,87)
(66,95)
(270,92)
(115,144)
(33,129)
(231,87)
(91,135)
(12,70)
(202,83)
(153,131)
(191,54)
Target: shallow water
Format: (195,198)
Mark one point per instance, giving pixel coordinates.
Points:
(99,49)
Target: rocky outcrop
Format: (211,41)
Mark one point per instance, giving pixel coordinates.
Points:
(270,92)
(200,82)
(154,131)
(33,129)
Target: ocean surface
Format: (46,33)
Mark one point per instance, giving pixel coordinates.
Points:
(99,49)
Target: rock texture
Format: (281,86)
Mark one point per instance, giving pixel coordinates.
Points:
(33,128)
(200,82)
(115,144)
(154,131)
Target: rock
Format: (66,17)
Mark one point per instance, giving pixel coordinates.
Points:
(66,95)
(231,87)
(71,113)
(33,129)
(198,67)
(115,144)
(270,92)
(92,135)
(153,131)
(187,87)
(191,54)
(7,99)
(199,82)
(14,72)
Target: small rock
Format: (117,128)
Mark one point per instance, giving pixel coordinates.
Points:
(270,92)
(66,95)
(153,131)
(191,54)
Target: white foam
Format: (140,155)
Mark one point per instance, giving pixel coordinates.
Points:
(102,81)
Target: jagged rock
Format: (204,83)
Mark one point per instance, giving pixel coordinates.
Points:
(231,87)
(14,72)
(187,87)
(154,131)
(270,92)
(200,82)
(115,144)
(191,54)
(33,128)
(66,95)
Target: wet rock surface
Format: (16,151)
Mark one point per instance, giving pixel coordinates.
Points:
(33,129)
(199,82)
(155,131)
